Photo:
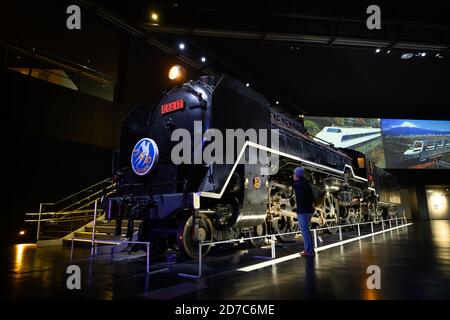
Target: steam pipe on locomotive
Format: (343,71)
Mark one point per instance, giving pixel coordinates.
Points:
(181,204)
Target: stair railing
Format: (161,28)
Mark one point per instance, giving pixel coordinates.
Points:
(72,208)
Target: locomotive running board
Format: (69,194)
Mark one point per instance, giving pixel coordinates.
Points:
(216,195)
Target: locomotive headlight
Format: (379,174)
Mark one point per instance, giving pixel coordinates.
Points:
(175,72)
(257,182)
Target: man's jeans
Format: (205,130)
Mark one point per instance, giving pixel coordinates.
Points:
(303,221)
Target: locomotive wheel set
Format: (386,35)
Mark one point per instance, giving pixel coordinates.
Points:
(181,204)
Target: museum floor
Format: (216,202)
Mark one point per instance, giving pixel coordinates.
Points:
(414,263)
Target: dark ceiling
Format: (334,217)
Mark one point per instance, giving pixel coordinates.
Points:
(319,58)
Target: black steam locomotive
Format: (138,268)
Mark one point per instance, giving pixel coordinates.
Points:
(180,204)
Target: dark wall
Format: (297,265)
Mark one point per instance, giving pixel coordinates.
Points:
(56,141)
(416,181)
(42,24)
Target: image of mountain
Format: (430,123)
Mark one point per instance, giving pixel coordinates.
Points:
(408,127)
(414,131)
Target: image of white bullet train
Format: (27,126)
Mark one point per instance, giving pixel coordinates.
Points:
(342,137)
(431,145)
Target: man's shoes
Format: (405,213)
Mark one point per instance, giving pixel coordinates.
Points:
(307,254)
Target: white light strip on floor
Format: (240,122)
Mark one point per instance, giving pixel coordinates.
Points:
(328,246)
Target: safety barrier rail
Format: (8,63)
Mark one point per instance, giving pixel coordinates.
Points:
(94,242)
(272,237)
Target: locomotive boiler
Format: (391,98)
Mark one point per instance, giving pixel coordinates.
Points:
(179,204)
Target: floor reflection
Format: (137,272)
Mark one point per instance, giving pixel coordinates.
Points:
(415,264)
(20,252)
(440,230)
(310,278)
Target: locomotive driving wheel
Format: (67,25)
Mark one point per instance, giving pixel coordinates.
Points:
(257,231)
(330,211)
(185,236)
(285,224)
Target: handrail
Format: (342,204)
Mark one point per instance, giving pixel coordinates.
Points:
(54,213)
(75,194)
(28,49)
(86,198)
(74,211)
(66,215)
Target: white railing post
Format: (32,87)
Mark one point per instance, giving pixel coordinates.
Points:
(390,223)
(39,222)
(71,250)
(340,233)
(359,231)
(93,229)
(382,224)
(199,259)
(315,238)
(148,257)
(371,226)
(272,240)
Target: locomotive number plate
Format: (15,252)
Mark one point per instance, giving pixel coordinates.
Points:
(172,106)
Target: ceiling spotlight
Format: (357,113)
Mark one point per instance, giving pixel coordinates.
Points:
(203,59)
(407,55)
(154,16)
(423,54)
(389,51)
(277,102)
(378,50)
(247,84)
(175,72)
(181,46)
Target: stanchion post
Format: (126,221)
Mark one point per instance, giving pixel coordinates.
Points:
(148,257)
(396,222)
(93,229)
(315,238)
(382,224)
(39,222)
(359,231)
(272,240)
(340,233)
(371,226)
(71,250)
(390,223)
(200,259)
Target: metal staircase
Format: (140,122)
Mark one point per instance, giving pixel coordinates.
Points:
(105,233)
(73,218)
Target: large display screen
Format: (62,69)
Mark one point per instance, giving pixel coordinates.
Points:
(390,143)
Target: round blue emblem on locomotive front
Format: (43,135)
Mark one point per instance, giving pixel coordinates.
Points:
(144,156)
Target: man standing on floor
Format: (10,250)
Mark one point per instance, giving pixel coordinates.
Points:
(305,209)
